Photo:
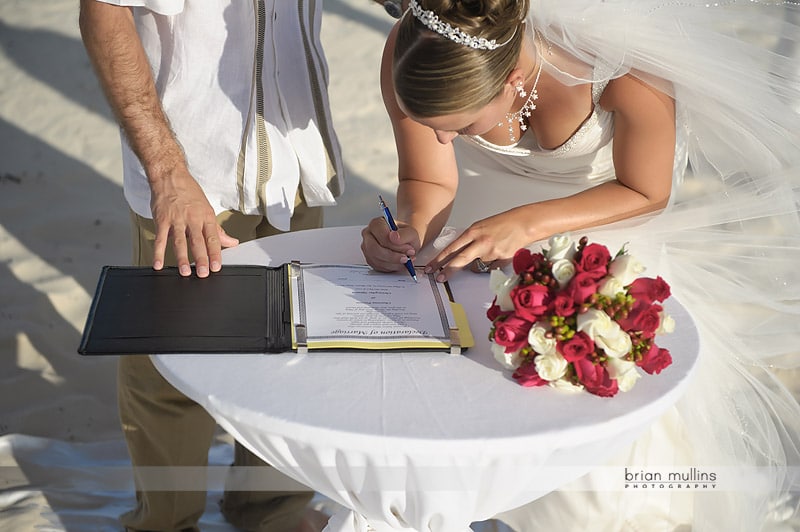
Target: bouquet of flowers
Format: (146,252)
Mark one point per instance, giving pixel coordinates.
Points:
(573,315)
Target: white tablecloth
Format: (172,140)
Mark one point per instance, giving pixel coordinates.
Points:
(422,441)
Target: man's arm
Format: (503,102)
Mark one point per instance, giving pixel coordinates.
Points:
(180,208)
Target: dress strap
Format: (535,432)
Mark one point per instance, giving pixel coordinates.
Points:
(597,90)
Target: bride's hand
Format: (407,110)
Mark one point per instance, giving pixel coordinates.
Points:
(487,244)
(386,250)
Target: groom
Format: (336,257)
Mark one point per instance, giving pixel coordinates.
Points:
(212,156)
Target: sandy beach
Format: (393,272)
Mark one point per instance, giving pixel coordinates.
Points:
(63,464)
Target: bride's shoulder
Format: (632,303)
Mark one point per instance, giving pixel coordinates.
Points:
(629,91)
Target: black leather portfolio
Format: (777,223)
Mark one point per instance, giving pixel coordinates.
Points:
(270,309)
(138,310)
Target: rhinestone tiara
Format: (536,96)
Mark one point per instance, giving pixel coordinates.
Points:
(433,23)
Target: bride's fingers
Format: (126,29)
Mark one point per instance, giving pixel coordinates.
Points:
(481,266)
(378,256)
(448,254)
(445,267)
(445,272)
(403,240)
(501,263)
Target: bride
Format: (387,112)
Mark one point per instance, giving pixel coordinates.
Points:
(671,126)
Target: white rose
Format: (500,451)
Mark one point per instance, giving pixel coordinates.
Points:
(550,367)
(565,385)
(563,271)
(539,341)
(595,323)
(611,286)
(605,332)
(626,268)
(561,247)
(624,372)
(616,344)
(667,324)
(501,285)
(507,360)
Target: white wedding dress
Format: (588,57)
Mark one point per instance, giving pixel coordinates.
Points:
(728,243)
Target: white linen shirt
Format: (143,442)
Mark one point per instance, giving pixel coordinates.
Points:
(244,85)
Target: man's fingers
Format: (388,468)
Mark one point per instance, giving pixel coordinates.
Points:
(225,239)
(200,243)
(160,247)
(209,258)
(181,249)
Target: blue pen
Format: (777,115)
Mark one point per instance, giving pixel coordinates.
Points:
(387,214)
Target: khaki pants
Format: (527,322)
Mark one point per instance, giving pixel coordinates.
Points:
(163,427)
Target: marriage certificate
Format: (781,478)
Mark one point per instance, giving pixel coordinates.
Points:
(352,306)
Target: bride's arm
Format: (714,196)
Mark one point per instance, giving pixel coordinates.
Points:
(428,178)
(644,147)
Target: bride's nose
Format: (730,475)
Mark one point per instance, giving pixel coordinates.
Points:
(444,137)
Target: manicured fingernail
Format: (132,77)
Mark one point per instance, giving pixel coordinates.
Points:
(202,271)
(157,265)
(215,266)
(186,270)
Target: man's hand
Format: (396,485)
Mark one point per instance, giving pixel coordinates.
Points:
(181,211)
(183,215)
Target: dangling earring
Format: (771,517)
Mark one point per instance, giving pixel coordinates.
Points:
(526,110)
(520,88)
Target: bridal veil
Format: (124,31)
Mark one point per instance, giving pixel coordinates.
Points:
(728,243)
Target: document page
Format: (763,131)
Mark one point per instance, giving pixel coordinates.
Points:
(354,306)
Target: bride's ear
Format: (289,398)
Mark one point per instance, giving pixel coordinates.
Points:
(515,78)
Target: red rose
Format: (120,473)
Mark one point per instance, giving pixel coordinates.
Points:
(655,360)
(576,348)
(527,375)
(494,311)
(512,332)
(644,318)
(530,301)
(594,261)
(563,305)
(581,287)
(648,290)
(595,378)
(525,261)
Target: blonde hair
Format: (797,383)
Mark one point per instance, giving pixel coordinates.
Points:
(434,76)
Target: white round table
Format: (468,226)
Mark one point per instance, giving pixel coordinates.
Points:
(419,440)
